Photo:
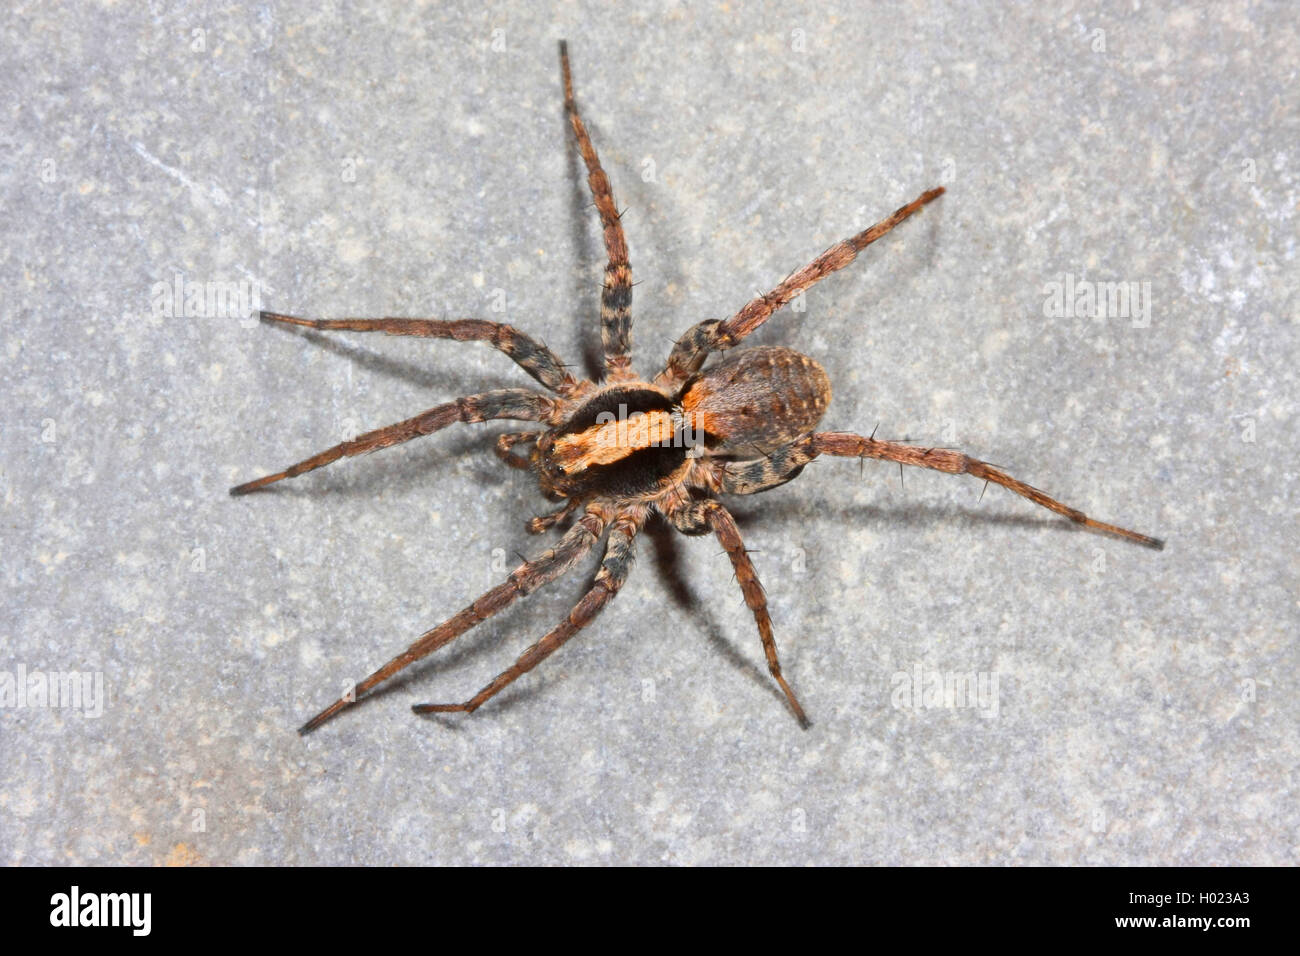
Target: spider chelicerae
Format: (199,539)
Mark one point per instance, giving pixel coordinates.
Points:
(618,450)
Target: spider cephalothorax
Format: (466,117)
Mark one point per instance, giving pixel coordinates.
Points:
(644,441)
(618,450)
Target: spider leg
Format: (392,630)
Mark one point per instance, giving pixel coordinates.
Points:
(751,476)
(710,515)
(613,572)
(616,293)
(524,580)
(516,403)
(533,357)
(509,440)
(745,478)
(693,348)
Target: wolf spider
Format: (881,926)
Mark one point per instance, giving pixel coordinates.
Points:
(618,450)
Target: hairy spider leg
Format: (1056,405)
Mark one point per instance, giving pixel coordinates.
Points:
(690,351)
(529,354)
(514,403)
(613,572)
(712,514)
(524,580)
(616,293)
(751,477)
(544,522)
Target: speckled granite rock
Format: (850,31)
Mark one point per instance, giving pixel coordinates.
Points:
(1129,707)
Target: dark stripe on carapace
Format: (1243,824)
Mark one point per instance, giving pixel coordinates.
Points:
(613,404)
(640,472)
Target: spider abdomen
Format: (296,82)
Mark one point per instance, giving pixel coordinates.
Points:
(758,399)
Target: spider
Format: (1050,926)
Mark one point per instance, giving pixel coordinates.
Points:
(618,450)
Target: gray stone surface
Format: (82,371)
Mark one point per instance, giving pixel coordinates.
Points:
(379,159)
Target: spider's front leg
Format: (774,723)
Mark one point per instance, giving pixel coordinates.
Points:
(691,350)
(699,517)
(529,354)
(616,293)
(609,579)
(751,477)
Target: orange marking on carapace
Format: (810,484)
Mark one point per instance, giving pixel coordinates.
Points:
(612,441)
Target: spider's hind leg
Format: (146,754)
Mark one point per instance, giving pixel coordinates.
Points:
(524,580)
(693,348)
(709,515)
(952,462)
(613,572)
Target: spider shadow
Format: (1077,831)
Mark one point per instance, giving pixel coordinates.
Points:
(399,471)
(666,543)
(907,516)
